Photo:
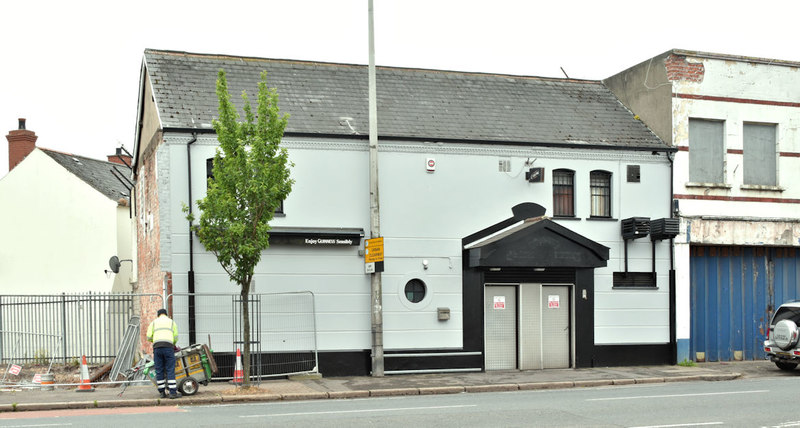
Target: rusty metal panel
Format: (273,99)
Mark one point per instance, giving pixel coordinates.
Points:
(734,291)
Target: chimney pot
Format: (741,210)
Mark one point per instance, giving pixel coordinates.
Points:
(22,123)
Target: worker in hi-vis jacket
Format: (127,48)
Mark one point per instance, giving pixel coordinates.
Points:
(163,332)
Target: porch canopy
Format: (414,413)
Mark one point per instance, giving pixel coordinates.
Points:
(529,239)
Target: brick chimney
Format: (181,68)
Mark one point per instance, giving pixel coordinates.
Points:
(115,158)
(21,143)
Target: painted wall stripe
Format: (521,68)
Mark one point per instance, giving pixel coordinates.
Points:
(735,100)
(739,199)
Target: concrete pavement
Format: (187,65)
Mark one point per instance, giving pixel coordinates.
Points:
(308,388)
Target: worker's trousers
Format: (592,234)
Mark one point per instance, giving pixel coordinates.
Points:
(164,359)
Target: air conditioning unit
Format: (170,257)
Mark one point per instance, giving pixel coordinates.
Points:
(635,227)
(664,228)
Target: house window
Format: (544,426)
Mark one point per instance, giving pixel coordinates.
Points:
(415,290)
(209,169)
(706,151)
(563,193)
(759,166)
(600,190)
(210,175)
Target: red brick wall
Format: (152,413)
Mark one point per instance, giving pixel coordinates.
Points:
(679,69)
(151,278)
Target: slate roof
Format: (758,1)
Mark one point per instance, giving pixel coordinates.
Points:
(95,173)
(412,103)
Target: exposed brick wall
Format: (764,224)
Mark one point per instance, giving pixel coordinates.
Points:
(680,69)
(148,240)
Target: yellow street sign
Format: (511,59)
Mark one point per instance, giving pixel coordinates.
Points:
(374,250)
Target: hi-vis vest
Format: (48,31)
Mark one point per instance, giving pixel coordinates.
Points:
(163,329)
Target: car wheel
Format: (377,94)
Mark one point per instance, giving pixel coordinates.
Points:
(785,334)
(188,386)
(785,366)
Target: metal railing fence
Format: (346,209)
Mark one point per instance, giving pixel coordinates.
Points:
(63,327)
(36,329)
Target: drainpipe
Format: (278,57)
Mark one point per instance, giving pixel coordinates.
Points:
(190,274)
(673,335)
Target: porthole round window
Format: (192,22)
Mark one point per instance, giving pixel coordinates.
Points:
(415,290)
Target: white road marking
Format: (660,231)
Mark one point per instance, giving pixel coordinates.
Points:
(696,424)
(786,424)
(760,391)
(357,411)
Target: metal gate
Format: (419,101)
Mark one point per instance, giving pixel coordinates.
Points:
(734,291)
(283,331)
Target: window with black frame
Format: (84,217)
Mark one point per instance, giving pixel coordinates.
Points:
(600,191)
(415,290)
(563,193)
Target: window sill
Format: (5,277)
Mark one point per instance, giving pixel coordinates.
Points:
(601,219)
(709,185)
(761,187)
(279,215)
(567,218)
(634,288)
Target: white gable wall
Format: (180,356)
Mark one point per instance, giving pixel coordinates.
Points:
(58,232)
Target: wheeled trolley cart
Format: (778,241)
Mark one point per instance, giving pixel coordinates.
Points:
(193,365)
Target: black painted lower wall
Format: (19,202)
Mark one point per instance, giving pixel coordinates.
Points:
(359,363)
(632,355)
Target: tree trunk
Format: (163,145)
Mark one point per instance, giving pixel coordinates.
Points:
(246,335)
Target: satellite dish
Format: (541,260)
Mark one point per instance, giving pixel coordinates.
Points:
(114,264)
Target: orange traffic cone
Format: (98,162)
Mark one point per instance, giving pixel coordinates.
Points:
(86,384)
(238,371)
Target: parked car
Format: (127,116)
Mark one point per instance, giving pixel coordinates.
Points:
(782,337)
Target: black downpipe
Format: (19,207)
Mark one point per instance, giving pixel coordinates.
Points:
(190,274)
(673,335)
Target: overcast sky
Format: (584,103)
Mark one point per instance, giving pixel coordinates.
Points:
(72,67)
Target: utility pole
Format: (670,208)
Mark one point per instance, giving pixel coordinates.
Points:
(376,289)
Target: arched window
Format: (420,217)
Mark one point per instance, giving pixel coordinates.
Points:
(563,193)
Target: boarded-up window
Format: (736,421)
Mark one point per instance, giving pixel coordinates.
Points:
(759,154)
(563,193)
(706,151)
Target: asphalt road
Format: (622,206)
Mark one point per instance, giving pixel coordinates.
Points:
(740,403)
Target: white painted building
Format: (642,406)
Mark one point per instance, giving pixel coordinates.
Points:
(63,217)
(452,242)
(734,121)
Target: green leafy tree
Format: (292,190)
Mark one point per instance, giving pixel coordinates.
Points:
(251,179)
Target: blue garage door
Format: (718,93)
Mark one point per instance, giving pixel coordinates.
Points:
(734,292)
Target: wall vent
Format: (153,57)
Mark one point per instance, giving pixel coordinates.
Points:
(504,165)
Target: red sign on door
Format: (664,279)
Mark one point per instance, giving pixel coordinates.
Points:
(499,302)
